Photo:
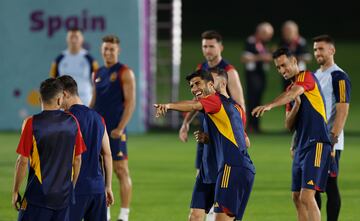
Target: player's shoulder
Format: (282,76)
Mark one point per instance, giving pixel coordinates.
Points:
(59,57)
(339,74)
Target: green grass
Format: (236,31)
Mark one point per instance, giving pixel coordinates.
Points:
(162,170)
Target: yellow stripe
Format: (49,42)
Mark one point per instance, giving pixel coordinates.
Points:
(35,161)
(342,90)
(316,101)
(318,154)
(227,177)
(223,178)
(53,70)
(223,124)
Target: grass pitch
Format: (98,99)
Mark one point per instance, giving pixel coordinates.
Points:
(163,174)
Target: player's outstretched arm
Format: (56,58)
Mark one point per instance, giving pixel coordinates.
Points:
(282,99)
(106,153)
(20,173)
(184,106)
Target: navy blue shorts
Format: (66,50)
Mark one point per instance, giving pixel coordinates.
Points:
(118,147)
(89,207)
(334,164)
(203,195)
(232,191)
(310,167)
(36,213)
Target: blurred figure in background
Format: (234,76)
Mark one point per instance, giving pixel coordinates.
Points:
(76,62)
(256,58)
(291,39)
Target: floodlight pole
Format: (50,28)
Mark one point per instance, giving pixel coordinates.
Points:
(176,57)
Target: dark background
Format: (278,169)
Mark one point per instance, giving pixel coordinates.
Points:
(237,19)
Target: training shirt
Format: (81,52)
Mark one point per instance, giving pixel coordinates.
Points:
(226,131)
(311,121)
(80,66)
(336,87)
(51,140)
(92,125)
(109,94)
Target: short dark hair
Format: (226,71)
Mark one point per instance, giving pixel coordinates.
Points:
(74,29)
(69,84)
(49,88)
(282,51)
(212,34)
(220,72)
(111,39)
(325,38)
(203,74)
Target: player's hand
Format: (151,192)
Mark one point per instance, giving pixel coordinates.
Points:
(292,152)
(333,153)
(247,142)
(109,197)
(260,110)
(116,133)
(297,100)
(183,132)
(161,110)
(14,200)
(201,137)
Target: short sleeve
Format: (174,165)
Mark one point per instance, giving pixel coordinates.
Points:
(305,80)
(341,87)
(26,140)
(211,104)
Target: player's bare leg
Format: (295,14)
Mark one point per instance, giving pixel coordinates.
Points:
(196,214)
(121,169)
(307,197)
(223,217)
(301,211)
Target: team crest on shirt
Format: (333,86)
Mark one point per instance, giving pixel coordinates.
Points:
(113,77)
(98,79)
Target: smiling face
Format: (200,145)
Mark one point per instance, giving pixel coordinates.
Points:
(110,53)
(211,49)
(200,88)
(286,66)
(323,52)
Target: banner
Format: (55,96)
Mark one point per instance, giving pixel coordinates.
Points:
(33,34)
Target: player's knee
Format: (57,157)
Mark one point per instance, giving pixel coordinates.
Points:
(121,171)
(195,216)
(296,198)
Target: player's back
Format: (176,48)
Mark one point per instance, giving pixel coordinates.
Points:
(109,93)
(54,137)
(311,122)
(92,127)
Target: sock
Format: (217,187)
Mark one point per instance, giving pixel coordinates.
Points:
(334,201)
(124,214)
(211,215)
(108,215)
